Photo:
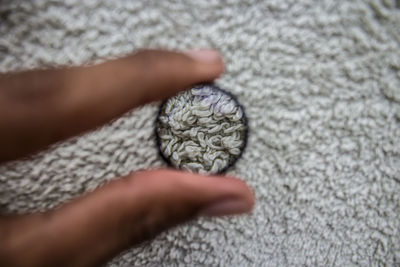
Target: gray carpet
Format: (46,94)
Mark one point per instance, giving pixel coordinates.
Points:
(321,84)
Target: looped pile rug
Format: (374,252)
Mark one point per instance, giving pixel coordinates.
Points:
(320,81)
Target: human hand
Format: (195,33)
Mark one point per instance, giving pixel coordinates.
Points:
(38,108)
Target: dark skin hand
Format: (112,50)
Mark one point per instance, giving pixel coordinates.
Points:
(39,108)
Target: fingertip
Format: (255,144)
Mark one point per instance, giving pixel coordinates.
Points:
(236,197)
(221,195)
(210,63)
(205,56)
(232,196)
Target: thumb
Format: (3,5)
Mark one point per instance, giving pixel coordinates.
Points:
(123,213)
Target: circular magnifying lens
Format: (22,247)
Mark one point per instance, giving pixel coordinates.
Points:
(202,130)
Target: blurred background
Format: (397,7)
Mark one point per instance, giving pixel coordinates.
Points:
(320,81)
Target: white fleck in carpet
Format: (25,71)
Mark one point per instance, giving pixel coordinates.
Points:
(321,84)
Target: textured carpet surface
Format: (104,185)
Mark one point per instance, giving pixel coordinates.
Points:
(320,81)
(202,129)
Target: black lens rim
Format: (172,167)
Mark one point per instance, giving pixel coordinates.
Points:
(245,122)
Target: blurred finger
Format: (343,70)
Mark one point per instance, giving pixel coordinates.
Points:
(41,107)
(123,213)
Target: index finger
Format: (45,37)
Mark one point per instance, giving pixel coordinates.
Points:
(38,108)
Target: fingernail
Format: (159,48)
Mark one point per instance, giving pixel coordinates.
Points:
(226,207)
(205,56)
